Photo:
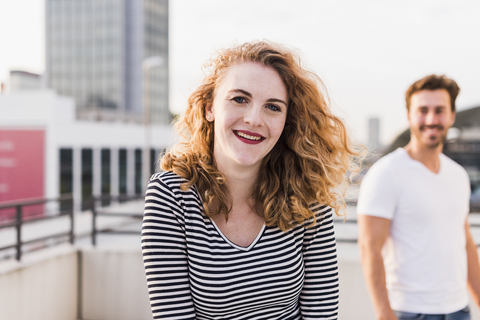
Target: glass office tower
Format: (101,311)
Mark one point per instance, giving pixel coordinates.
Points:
(95,50)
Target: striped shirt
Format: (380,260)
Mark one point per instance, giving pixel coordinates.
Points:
(195,272)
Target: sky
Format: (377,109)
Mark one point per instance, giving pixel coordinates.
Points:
(366,52)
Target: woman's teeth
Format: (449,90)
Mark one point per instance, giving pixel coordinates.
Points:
(246,136)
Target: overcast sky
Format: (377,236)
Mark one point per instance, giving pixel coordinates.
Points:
(366,52)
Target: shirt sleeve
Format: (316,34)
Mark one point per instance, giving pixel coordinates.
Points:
(319,296)
(378,192)
(165,254)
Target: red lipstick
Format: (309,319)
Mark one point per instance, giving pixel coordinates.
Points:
(246,136)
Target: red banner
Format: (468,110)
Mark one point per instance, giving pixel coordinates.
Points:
(22,166)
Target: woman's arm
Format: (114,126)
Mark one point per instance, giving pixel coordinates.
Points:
(319,297)
(165,254)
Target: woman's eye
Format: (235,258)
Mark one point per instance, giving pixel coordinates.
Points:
(273,107)
(239,99)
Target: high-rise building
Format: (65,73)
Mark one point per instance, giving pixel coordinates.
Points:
(373,133)
(95,50)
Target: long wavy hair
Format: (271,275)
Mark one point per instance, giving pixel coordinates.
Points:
(310,161)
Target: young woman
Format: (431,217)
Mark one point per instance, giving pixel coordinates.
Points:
(239,226)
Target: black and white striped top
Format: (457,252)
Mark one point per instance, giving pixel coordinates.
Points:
(194,272)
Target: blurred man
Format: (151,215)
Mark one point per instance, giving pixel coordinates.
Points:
(417,252)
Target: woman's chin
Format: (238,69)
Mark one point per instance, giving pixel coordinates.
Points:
(248,162)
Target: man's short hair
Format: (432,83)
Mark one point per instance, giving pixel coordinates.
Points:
(434,82)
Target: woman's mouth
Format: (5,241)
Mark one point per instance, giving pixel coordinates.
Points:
(249,137)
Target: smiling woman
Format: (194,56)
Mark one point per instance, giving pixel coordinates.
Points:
(240,224)
(249,111)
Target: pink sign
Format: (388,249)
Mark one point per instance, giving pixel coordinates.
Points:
(22,163)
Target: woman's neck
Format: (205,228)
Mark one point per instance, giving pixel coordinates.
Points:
(240,181)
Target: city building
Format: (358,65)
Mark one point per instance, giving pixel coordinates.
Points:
(95,50)
(373,133)
(45,151)
(23,80)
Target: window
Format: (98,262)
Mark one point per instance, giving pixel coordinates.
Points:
(122,171)
(153,161)
(105,174)
(87,178)
(66,171)
(138,171)
(66,176)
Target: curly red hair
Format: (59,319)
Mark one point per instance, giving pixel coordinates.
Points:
(309,162)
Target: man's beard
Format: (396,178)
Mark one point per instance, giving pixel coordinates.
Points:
(441,141)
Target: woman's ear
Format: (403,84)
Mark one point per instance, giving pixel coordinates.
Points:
(209,112)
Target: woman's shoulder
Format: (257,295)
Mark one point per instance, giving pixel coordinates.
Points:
(322,213)
(168,178)
(173,182)
(319,209)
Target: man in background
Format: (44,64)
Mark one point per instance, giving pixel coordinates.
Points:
(418,255)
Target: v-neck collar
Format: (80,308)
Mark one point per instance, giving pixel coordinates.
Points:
(236,246)
(423,166)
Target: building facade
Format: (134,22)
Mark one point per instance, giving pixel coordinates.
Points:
(45,151)
(95,50)
(373,133)
(23,80)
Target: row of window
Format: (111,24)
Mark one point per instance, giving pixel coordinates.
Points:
(95,53)
(96,86)
(93,7)
(87,172)
(85,41)
(83,17)
(94,71)
(157,7)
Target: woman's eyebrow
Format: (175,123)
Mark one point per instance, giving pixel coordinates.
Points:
(277,100)
(248,94)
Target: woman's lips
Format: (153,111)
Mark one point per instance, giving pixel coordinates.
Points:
(248,137)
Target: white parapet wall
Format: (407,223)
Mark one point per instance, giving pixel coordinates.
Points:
(44,286)
(114,285)
(47,285)
(355,303)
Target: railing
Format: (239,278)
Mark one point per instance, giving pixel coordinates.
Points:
(354,221)
(65,208)
(96,213)
(19,221)
(347,221)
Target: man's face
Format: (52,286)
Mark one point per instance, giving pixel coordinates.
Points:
(430,117)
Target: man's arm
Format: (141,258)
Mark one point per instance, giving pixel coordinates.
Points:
(473,267)
(373,232)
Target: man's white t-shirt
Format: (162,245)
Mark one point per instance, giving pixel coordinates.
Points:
(425,257)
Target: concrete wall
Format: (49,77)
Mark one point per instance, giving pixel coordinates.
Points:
(354,299)
(114,285)
(355,303)
(42,287)
(45,285)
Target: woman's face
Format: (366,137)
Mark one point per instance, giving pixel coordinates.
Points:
(249,110)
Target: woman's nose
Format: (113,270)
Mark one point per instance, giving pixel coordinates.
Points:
(253,115)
